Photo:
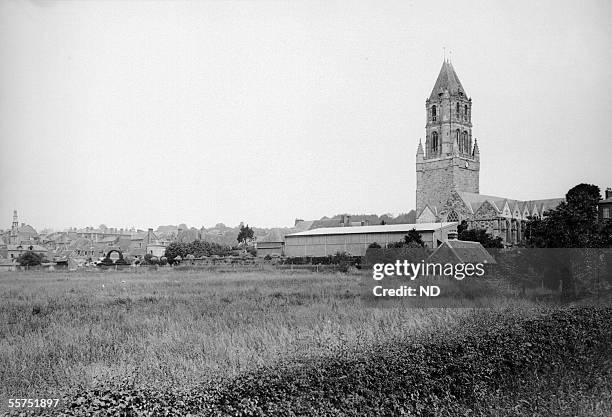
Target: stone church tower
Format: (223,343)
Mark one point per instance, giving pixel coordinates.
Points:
(450,159)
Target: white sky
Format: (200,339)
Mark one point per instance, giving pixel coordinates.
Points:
(145,113)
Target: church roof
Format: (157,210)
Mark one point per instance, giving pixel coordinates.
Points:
(474,201)
(447,80)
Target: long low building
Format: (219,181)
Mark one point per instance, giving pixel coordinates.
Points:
(355,240)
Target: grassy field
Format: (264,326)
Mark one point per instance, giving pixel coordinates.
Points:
(177,329)
(59,330)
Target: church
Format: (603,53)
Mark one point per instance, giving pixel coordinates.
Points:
(448,169)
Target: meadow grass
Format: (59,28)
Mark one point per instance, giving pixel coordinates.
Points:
(61,330)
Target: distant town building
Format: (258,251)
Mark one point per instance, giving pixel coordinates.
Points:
(605,206)
(12,252)
(272,244)
(18,234)
(147,243)
(97,235)
(270,248)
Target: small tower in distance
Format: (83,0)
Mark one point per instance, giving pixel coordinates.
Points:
(14,229)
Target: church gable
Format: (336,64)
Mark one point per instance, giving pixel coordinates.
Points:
(526,211)
(505,211)
(516,210)
(427,216)
(455,208)
(486,211)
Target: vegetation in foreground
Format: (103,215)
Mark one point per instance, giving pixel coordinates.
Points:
(557,363)
(175,328)
(301,345)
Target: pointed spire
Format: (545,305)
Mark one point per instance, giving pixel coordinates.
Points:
(476,150)
(420,153)
(447,81)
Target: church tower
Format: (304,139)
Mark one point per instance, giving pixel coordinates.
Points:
(14,229)
(450,158)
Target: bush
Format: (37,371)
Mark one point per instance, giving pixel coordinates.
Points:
(30,259)
(149,259)
(343,259)
(197,248)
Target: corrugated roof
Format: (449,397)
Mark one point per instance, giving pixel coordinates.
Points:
(387,228)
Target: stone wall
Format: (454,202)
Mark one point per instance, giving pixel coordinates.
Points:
(437,178)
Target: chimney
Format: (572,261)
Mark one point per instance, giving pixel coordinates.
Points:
(608,192)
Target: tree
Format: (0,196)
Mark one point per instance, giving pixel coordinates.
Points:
(199,248)
(150,259)
(176,249)
(245,234)
(480,235)
(572,224)
(414,237)
(411,240)
(30,259)
(374,245)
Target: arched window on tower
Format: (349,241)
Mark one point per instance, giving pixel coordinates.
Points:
(434,143)
(465,113)
(458,110)
(466,146)
(458,140)
(433,113)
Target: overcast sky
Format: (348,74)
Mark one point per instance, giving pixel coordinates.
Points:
(144,113)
